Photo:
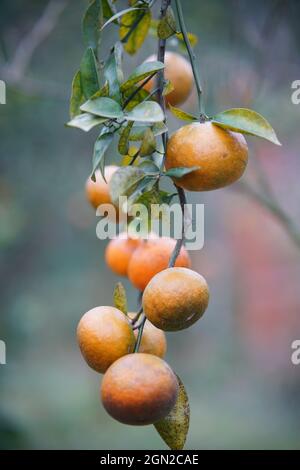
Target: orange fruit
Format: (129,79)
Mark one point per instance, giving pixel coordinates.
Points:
(175,298)
(104,335)
(220,154)
(139,389)
(98,192)
(119,252)
(179,71)
(151,257)
(153,340)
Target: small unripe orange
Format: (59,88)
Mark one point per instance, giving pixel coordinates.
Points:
(139,389)
(104,335)
(175,298)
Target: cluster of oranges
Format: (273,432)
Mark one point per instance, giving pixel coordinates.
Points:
(141,388)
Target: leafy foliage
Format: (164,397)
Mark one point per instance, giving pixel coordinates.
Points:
(120,298)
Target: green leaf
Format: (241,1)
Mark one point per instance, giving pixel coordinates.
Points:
(145,185)
(102,93)
(174,427)
(139,129)
(119,15)
(120,298)
(183,115)
(168,88)
(180,171)
(91,25)
(113,71)
(89,74)
(101,145)
(167,25)
(148,143)
(124,182)
(77,97)
(124,139)
(137,23)
(139,96)
(104,107)
(246,121)
(108,10)
(141,72)
(149,111)
(192,38)
(86,122)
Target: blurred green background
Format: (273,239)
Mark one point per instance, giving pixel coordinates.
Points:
(236,362)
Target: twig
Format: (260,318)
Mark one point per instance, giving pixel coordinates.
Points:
(180,241)
(192,56)
(140,334)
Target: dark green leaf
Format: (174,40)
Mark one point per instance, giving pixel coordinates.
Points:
(167,25)
(149,111)
(124,182)
(85,122)
(134,29)
(104,107)
(141,72)
(113,71)
(148,166)
(174,427)
(77,97)
(91,25)
(102,93)
(101,145)
(148,143)
(120,298)
(118,15)
(246,121)
(139,96)
(124,139)
(108,10)
(89,74)
(180,114)
(180,171)
(145,185)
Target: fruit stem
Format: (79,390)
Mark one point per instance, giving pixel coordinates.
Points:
(180,241)
(202,116)
(140,334)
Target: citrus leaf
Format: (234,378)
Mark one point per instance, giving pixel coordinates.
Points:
(120,298)
(174,427)
(113,71)
(145,185)
(91,24)
(148,166)
(138,130)
(148,143)
(85,122)
(89,74)
(102,93)
(124,139)
(108,10)
(168,88)
(183,115)
(180,171)
(104,107)
(141,19)
(101,145)
(149,111)
(140,95)
(167,25)
(192,38)
(119,15)
(77,97)
(124,182)
(246,121)
(141,72)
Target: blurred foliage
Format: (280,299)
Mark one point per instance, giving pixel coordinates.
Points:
(243,389)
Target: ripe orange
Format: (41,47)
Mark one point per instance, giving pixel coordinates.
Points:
(175,298)
(221,156)
(104,335)
(179,71)
(153,340)
(98,192)
(119,252)
(139,389)
(151,257)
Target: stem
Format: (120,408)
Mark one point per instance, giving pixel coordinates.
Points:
(202,116)
(180,241)
(140,334)
(272,205)
(137,316)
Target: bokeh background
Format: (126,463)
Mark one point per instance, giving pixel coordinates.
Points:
(236,362)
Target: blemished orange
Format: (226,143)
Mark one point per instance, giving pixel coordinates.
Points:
(119,252)
(179,71)
(151,257)
(98,192)
(175,298)
(104,335)
(220,154)
(139,389)
(153,340)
